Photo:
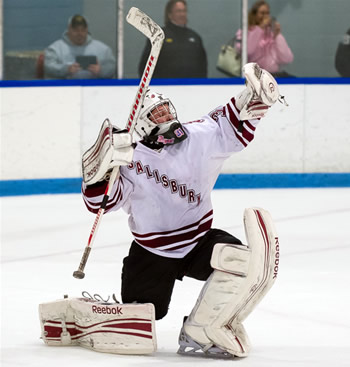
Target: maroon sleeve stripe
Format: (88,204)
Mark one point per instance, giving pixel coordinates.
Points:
(246,122)
(97,189)
(240,139)
(247,128)
(247,135)
(249,125)
(232,117)
(89,206)
(234,123)
(117,197)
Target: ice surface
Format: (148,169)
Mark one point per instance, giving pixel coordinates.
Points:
(303,321)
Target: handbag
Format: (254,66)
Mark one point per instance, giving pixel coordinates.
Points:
(229,60)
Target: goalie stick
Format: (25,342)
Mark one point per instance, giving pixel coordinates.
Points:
(155,34)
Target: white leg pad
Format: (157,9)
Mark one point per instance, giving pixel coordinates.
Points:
(262,238)
(103,327)
(241,277)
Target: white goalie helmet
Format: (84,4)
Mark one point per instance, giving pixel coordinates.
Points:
(158,121)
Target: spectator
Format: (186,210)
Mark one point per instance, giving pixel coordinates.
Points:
(183,54)
(77,55)
(266,44)
(342,57)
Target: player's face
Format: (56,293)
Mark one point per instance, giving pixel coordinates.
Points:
(178,14)
(78,35)
(161,114)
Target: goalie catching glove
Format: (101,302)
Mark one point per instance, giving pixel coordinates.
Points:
(113,148)
(261,93)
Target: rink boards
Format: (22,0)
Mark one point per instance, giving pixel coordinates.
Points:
(46,125)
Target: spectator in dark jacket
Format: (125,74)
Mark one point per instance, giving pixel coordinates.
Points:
(182,54)
(342,57)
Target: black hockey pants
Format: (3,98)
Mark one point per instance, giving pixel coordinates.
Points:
(149,278)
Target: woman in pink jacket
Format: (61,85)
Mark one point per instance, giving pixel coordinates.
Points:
(266,44)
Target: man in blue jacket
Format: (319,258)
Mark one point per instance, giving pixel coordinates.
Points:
(77,55)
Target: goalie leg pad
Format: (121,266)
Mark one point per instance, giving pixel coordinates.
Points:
(241,278)
(103,327)
(206,323)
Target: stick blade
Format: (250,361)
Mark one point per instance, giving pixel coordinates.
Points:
(141,21)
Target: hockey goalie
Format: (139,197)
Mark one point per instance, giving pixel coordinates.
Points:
(164,185)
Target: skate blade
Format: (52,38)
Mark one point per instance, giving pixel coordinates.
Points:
(213,352)
(189,347)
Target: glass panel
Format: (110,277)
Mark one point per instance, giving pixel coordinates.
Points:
(214,21)
(313,30)
(31,26)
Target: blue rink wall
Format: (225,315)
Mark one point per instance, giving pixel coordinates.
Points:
(225,181)
(47,125)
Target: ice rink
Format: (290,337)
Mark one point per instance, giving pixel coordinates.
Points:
(303,321)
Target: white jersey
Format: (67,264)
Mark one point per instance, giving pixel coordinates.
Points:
(167,193)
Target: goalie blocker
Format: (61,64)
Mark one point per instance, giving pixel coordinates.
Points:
(100,326)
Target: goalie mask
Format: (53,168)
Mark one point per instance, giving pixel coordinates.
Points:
(158,124)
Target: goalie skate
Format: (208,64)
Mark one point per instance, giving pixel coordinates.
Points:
(191,348)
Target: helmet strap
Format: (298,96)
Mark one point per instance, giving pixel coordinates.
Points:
(174,135)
